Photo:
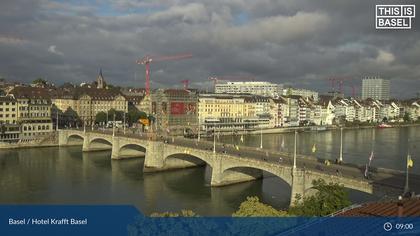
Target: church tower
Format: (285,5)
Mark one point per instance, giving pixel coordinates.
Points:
(100,82)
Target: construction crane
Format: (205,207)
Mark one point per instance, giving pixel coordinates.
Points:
(332,80)
(353,91)
(186,83)
(216,79)
(148,59)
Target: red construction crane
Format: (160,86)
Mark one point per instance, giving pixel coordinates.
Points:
(185,82)
(148,59)
(353,91)
(332,80)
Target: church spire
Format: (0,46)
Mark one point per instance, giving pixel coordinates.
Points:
(100,82)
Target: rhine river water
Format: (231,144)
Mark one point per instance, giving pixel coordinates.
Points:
(68,176)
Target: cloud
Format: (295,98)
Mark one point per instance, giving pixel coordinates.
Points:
(295,42)
(53,49)
(384,57)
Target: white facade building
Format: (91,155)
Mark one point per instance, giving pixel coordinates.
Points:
(375,88)
(301,92)
(256,88)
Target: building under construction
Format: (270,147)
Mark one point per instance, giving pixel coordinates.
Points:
(175,111)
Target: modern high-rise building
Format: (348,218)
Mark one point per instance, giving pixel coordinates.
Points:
(256,88)
(375,88)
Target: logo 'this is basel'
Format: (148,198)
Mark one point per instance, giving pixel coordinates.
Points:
(394,16)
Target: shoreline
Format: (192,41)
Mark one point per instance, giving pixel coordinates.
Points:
(309,129)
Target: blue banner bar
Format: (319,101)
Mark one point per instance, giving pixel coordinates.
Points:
(126,220)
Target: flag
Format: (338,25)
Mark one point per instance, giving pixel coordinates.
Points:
(242,138)
(371,157)
(366,171)
(409,161)
(314,148)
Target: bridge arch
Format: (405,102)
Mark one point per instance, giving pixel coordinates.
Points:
(99,143)
(131,150)
(184,160)
(74,139)
(242,173)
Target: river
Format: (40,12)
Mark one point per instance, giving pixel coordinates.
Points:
(66,175)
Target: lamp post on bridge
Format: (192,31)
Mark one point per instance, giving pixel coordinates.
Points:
(214,140)
(199,129)
(261,138)
(124,123)
(113,127)
(295,152)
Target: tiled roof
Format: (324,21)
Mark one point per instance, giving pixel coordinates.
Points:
(7,99)
(31,92)
(94,93)
(410,207)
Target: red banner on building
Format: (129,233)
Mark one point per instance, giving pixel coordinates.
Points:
(177,108)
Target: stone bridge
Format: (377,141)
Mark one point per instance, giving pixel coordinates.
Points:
(226,168)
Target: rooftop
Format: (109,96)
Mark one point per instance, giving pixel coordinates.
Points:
(408,207)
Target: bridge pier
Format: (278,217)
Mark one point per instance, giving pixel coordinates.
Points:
(298,186)
(154,159)
(62,139)
(86,141)
(115,153)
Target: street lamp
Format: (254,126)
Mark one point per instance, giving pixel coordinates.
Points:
(113,126)
(295,151)
(341,144)
(199,127)
(261,138)
(214,140)
(124,123)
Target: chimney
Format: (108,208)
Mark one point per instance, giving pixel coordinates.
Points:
(400,207)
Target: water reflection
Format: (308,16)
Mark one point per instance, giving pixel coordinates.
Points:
(390,145)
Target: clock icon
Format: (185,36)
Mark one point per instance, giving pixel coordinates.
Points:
(387,226)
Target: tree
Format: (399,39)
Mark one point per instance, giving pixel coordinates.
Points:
(71,117)
(328,199)
(134,115)
(183,213)
(407,117)
(253,207)
(100,117)
(119,115)
(40,81)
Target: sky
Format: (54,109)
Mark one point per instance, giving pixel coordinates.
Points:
(299,43)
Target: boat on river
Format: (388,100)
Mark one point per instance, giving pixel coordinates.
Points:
(383,125)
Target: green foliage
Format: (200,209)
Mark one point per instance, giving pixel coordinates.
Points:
(100,117)
(183,213)
(328,199)
(406,117)
(119,115)
(39,81)
(134,115)
(253,207)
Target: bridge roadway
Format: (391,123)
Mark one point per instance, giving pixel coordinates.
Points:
(381,182)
